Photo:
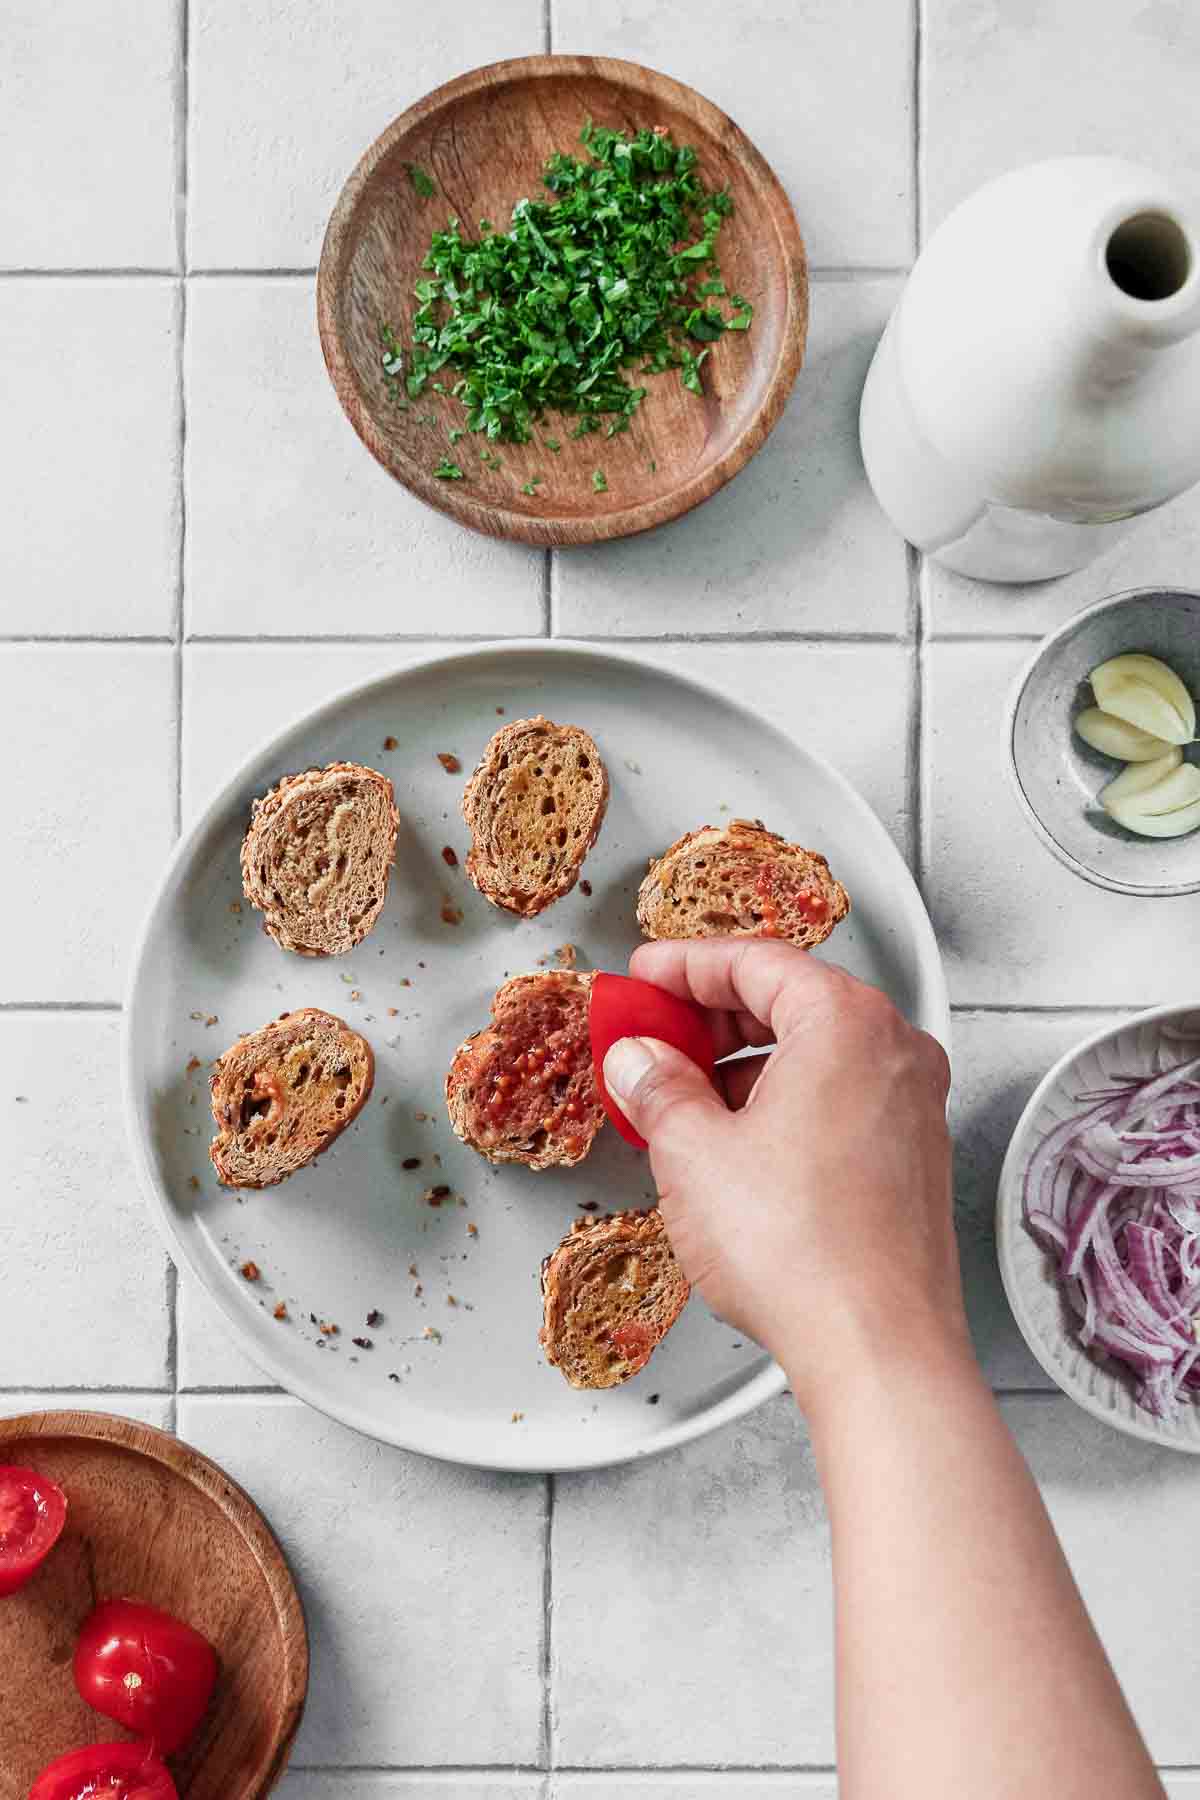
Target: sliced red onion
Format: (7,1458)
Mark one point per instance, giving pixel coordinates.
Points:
(1113,1194)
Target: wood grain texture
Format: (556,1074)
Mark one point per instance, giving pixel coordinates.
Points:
(151,1518)
(484,139)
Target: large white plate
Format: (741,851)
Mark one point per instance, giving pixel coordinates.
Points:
(338,1238)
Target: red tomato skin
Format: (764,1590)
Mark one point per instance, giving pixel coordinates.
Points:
(21,1491)
(147,1670)
(123,1772)
(622,1006)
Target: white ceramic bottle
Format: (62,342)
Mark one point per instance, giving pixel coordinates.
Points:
(1038,384)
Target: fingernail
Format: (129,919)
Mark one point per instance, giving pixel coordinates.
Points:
(626,1063)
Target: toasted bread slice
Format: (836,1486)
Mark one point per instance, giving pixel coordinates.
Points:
(522,1090)
(281,1095)
(534,806)
(611,1292)
(740,880)
(317,856)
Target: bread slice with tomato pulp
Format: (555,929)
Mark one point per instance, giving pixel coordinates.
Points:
(522,1090)
(281,1095)
(610,1293)
(741,880)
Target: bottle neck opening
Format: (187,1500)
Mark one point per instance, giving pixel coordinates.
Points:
(1149,256)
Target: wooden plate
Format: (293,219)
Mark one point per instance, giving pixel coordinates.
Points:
(152,1518)
(484,139)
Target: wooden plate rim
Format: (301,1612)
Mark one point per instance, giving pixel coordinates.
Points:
(487,516)
(235,1505)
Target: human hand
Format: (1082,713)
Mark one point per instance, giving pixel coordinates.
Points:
(807,1197)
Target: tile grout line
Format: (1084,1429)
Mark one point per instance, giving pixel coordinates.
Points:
(79,1387)
(225,640)
(121,641)
(915,752)
(69,1006)
(848,272)
(548,1745)
(182,127)
(921,812)
(588,1769)
(548,592)
(918,121)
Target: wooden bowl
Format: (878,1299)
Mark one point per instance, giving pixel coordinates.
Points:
(151,1518)
(484,140)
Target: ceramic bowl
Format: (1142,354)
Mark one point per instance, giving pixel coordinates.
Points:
(1152,1042)
(1058,777)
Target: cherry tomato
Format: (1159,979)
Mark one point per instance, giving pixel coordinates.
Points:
(621,1006)
(107,1771)
(145,1669)
(33,1511)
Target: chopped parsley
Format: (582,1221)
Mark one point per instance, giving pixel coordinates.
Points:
(599,481)
(610,278)
(448,471)
(552,444)
(392,358)
(424,183)
(531,486)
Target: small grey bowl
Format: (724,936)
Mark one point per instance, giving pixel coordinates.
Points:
(1057,775)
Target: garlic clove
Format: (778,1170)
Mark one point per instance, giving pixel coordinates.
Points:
(1156,674)
(1135,701)
(1156,825)
(1116,737)
(1140,776)
(1180,788)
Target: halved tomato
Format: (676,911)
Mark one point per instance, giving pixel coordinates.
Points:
(33,1511)
(107,1772)
(622,1006)
(146,1669)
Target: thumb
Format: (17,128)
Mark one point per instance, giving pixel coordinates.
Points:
(662,1093)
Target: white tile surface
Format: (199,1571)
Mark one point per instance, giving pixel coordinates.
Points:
(90,743)
(147,1409)
(82,1272)
(88,102)
(209,1356)
(823,62)
(1112,1500)
(1015,926)
(847,703)
(237,696)
(285,97)
(716,1582)
(89,447)
(1162,550)
(795,543)
(293,528)
(998,1060)
(1010,81)
(425,1625)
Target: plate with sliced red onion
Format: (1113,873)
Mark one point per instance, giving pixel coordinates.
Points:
(1098,1225)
